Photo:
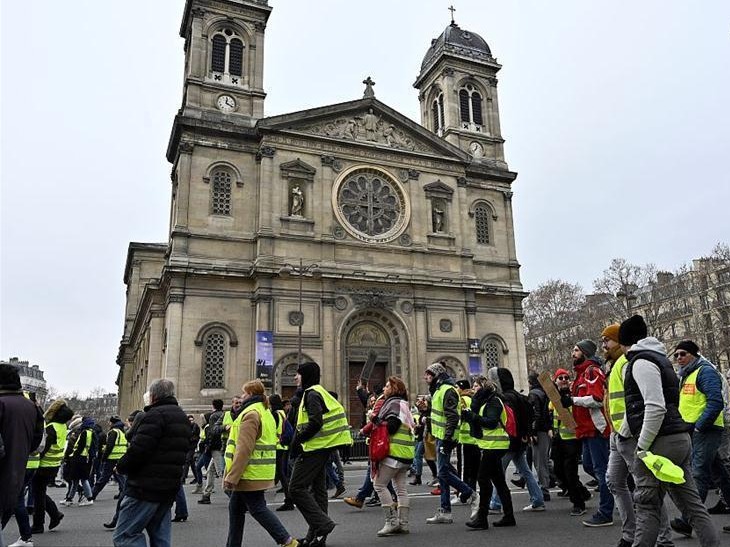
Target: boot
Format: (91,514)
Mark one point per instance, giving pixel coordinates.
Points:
(416,480)
(205,500)
(403,520)
(391,522)
(479,522)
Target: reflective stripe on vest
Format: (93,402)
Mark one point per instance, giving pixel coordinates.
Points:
(692,401)
(280,430)
(88,434)
(262,463)
(120,446)
(34,461)
(335,429)
(464,429)
(438,418)
(616,401)
(402,444)
(563,432)
(497,438)
(53,457)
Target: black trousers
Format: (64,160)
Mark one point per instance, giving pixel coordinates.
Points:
(491,475)
(308,489)
(43,502)
(565,456)
(472,457)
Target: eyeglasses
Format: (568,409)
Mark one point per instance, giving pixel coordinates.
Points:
(563,377)
(679,354)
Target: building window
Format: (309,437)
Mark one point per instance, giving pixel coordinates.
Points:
(491,355)
(220,203)
(437,110)
(226,57)
(481,224)
(214,360)
(470,107)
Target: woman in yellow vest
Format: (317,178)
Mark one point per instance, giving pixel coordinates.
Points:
(78,464)
(486,418)
(250,459)
(396,414)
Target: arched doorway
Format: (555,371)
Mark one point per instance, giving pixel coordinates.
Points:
(286,368)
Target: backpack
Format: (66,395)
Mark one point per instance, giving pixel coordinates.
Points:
(287,433)
(510,424)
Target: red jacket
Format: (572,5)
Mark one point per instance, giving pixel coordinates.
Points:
(588,392)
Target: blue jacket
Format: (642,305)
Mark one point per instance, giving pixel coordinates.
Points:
(709,383)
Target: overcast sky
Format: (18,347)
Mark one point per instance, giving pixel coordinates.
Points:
(616,116)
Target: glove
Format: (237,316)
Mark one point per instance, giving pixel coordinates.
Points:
(566,400)
(447,445)
(467,415)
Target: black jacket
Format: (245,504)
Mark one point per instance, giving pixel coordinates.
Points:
(540,412)
(156,453)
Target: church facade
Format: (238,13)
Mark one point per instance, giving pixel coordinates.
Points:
(345,234)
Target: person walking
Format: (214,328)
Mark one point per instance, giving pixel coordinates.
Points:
(655,425)
(251,466)
(542,433)
(215,447)
(487,417)
(469,449)
(21,431)
(153,464)
(78,464)
(395,415)
(321,427)
(114,448)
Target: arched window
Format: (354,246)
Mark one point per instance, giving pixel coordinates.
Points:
(220,193)
(437,111)
(214,360)
(470,108)
(226,57)
(482,216)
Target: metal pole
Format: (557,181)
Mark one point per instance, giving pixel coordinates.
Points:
(301,317)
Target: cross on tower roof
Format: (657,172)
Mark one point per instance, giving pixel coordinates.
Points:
(452,9)
(369,93)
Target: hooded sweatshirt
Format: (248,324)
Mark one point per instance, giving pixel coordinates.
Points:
(709,382)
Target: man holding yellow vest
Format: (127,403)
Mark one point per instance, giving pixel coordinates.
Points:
(321,427)
(701,404)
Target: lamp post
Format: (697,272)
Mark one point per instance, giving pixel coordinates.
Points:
(300,271)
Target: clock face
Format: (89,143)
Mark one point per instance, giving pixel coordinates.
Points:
(226,103)
(476,149)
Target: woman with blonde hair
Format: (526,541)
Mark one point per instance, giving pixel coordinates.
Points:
(250,459)
(397,417)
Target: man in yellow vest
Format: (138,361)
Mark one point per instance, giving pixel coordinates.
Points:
(701,404)
(321,427)
(114,449)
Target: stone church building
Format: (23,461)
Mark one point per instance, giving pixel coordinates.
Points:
(395,238)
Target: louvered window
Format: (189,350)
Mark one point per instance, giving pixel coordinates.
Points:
(221,193)
(226,57)
(470,109)
(441,111)
(476,108)
(481,222)
(236,62)
(218,57)
(464,105)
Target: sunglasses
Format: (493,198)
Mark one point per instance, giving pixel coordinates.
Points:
(679,354)
(563,377)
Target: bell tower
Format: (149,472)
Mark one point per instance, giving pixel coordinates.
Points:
(224,59)
(457,88)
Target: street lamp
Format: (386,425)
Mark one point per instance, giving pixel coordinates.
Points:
(300,271)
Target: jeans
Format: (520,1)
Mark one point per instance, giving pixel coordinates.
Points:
(202,461)
(308,489)
(705,446)
(448,477)
(418,459)
(181,503)
(20,511)
(519,458)
(335,471)
(540,457)
(76,485)
(107,471)
(137,516)
(598,449)
(254,503)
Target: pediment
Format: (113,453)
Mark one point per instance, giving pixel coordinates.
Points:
(298,167)
(367,122)
(438,188)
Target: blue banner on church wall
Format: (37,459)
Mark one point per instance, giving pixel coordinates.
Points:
(475,357)
(265,357)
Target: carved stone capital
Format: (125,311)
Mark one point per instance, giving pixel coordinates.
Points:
(333,163)
(492,81)
(507,196)
(259,26)
(265,152)
(197,12)
(176,298)
(448,71)
(186,147)
(462,182)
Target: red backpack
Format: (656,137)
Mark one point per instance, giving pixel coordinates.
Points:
(511,423)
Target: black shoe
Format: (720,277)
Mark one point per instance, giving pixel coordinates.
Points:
(55,521)
(205,500)
(681,527)
(519,483)
(623,543)
(479,522)
(592,483)
(180,519)
(416,480)
(726,529)
(193,481)
(110,525)
(116,496)
(35,530)
(586,494)
(719,509)
(546,495)
(373,502)
(340,490)
(286,506)
(505,521)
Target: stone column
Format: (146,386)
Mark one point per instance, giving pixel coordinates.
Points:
(331,366)
(462,205)
(174,325)
(419,347)
(265,156)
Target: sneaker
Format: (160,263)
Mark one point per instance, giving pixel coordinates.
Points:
(66,503)
(373,502)
(545,495)
(340,490)
(519,483)
(22,543)
(577,511)
(286,507)
(205,500)
(597,521)
(292,543)
(436,491)
(441,517)
(623,543)
(110,525)
(534,508)
(719,509)
(681,527)
(473,501)
(84,502)
(354,502)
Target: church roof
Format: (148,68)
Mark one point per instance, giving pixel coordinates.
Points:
(458,41)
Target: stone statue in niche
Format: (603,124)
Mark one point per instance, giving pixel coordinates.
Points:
(438,218)
(297,201)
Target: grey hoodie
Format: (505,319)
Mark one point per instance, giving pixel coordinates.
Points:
(649,380)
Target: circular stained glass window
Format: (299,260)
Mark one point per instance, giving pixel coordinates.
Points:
(370,205)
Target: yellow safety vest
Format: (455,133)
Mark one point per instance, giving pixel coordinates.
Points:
(34,461)
(692,401)
(497,438)
(335,429)
(280,429)
(89,435)
(616,401)
(464,429)
(262,463)
(438,418)
(402,443)
(564,433)
(120,446)
(227,420)
(54,455)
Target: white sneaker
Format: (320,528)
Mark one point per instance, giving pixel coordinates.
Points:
(474,502)
(66,503)
(533,508)
(22,543)
(455,499)
(86,501)
(441,517)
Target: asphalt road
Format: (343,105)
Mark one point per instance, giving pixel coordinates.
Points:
(207,524)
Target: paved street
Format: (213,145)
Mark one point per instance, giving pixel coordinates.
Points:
(207,524)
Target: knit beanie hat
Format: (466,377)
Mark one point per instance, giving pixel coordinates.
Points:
(690,347)
(560,372)
(632,330)
(611,332)
(309,372)
(436,369)
(588,347)
(463,384)
(9,377)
